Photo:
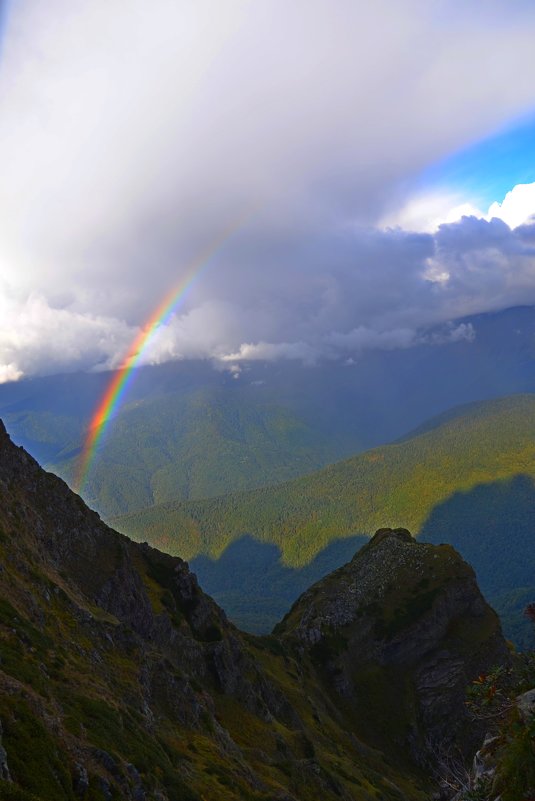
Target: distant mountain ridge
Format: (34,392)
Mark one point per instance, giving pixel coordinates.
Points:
(197,441)
(199,445)
(467,479)
(188,431)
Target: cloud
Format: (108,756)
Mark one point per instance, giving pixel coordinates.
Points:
(36,338)
(130,142)
(429,212)
(272,351)
(328,294)
(9,372)
(402,288)
(464,332)
(517,207)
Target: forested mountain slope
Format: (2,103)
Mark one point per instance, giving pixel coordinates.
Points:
(198,445)
(193,442)
(403,482)
(467,479)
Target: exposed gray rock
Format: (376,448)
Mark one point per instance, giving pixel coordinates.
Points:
(483,765)
(80,780)
(526,705)
(4,767)
(105,789)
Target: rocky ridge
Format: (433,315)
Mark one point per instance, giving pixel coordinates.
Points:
(121,679)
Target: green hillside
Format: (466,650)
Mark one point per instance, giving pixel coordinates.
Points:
(399,483)
(467,479)
(189,445)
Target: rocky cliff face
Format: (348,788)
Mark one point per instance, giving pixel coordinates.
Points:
(120,678)
(402,627)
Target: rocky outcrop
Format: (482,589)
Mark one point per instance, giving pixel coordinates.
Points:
(503,768)
(403,619)
(526,706)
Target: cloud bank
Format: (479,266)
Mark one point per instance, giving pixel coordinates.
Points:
(130,141)
(328,295)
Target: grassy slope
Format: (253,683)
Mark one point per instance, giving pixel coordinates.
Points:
(468,481)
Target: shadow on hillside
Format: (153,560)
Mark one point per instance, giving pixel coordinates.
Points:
(255,589)
(491,525)
(493,528)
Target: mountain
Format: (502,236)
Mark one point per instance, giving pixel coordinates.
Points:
(188,431)
(465,478)
(198,445)
(121,679)
(195,440)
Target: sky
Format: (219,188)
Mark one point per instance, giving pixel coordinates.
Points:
(366,170)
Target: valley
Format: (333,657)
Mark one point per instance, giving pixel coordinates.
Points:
(243,478)
(466,479)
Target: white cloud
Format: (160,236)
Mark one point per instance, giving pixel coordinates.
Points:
(272,351)
(517,207)
(9,372)
(358,339)
(429,212)
(37,339)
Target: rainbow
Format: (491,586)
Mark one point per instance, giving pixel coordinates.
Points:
(122,378)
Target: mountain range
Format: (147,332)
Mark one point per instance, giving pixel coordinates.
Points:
(187,431)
